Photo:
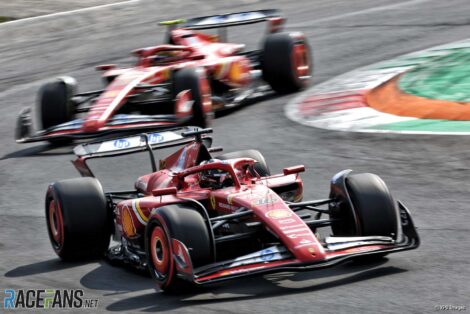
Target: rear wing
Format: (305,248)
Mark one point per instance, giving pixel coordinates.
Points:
(137,143)
(231,19)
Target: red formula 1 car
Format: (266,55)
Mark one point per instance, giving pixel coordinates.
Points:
(202,218)
(180,82)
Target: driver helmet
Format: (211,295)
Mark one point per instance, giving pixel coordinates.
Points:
(212,178)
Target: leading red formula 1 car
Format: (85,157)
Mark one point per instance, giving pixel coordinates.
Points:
(202,218)
(178,83)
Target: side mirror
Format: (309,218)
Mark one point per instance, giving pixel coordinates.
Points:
(215,149)
(165,191)
(293,170)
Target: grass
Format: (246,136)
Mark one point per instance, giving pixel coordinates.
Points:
(6,19)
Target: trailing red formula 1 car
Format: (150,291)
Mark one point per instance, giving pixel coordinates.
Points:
(179,83)
(202,218)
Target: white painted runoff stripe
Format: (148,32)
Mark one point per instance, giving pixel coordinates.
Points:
(311,107)
(65,13)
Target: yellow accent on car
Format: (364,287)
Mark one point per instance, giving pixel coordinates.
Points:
(213,203)
(137,206)
(172,22)
(127,223)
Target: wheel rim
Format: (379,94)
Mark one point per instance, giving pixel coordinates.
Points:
(301,61)
(56,224)
(160,252)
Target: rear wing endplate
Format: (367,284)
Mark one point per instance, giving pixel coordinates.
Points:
(231,19)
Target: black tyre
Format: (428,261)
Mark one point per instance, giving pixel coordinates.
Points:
(78,220)
(374,211)
(185,224)
(286,62)
(55,102)
(190,79)
(261,166)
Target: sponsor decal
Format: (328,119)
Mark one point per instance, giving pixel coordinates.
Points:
(121,143)
(14,299)
(226,206)
(287,221)
(297,230)
(269,199)
(292,226)
(243,270)
(267,255)
(311,250)
(156,138)
(162,164)
(295,235)
(160,137)
(279,213)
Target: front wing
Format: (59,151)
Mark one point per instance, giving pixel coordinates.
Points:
(122,123)
(276,259)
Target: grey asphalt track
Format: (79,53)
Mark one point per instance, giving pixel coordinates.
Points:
(428,173)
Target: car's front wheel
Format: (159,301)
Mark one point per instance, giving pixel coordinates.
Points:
(373,211)
(55,102)
(185,224)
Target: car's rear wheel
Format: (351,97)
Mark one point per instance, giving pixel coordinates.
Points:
(55,102)
(373,211)
(260,166)
(185,224)
(78,220)
(189,79)
(286,62)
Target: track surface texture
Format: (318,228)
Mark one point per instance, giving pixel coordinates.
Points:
(428,173)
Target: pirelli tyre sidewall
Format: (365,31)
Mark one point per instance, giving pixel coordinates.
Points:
(186,224)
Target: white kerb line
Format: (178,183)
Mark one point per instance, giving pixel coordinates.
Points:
(65,13)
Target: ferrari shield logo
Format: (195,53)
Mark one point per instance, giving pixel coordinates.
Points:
(279,213)
(213,201)
(230,199)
